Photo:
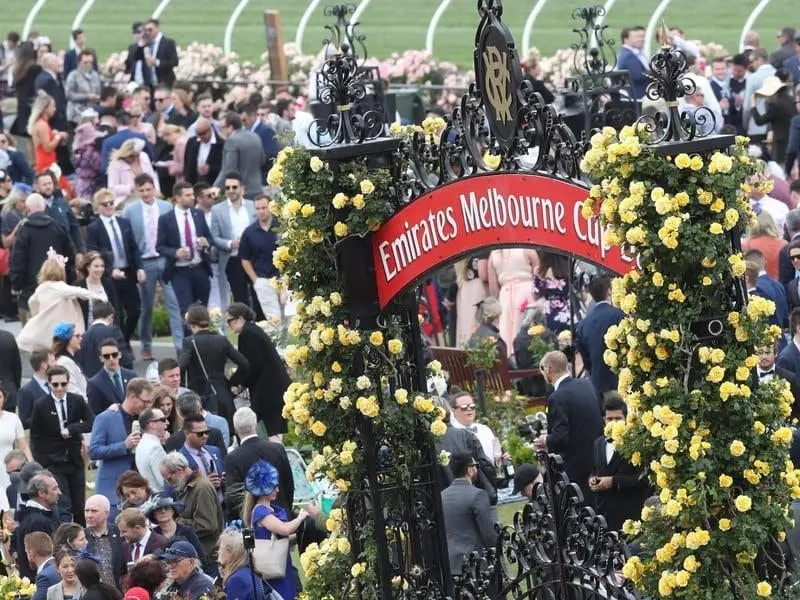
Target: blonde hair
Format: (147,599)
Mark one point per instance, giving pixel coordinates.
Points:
(231,540)
(52,270)
(40,104)
(170,129)
(102,195)
(488,310)
(129,149)
(765,227)
(15,196)
(183,96)
(247,509)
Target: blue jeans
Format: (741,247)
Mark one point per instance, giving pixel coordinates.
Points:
(154,272)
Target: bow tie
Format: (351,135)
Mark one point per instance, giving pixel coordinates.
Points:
(765,373)
(473,428)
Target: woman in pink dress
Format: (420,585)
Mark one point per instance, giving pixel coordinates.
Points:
(472,275)
(511,281)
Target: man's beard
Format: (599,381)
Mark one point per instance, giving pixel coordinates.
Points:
(180,484)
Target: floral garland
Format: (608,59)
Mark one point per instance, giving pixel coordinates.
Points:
(332,397)
(715,447)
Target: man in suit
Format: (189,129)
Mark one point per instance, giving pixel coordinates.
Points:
(71,58)
(37,387)
(104,539)
(760,69)
(184,240)
(36,515)
(102,329)
(112,441)
(10,369)
(230,218)
(135,66)
(633,59)
(620,487)
(143,215)
(252,448)
(139,540)
(49,81)
(112,236)
(108,386)
(789,358)
(150,452)
(58,423)
(787,269)
(160,54)
(123,134)
(467,517)
(767,369)
(203,157)
(574,421)
(190,403)
(761,284)
(250,120)
(39,550)
(590,335)
(201,456)
(243,153)
(56,206)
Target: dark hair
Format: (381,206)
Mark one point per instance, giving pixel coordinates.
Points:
(64,552)
(76,33)
(142,178)
(102,309)
(627,31)
(153,21)
(56,370)
(26,59)
(178,188)
(233,120)
(13,37)
(88,573)
(59,348)
(598,288)
(203,96)
(558,263)
(267,198)
(132,479)
(233,175)
(794,318)
(282,106)
(148,573)
(760,53)
(38,358)
(460,463)
(192,418)
(137,386)
(197,315)
(108,342)
(719,59)
(795,185)
(615,402)
(136,26)
(240,310)
(167,364)
(41,174)
(741,60)
(189,403)
(65,535)
(247,109)
(86,52)
(107,92)
(201,187)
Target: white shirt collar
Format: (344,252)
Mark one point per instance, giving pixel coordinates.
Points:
(560,380)
(35,504)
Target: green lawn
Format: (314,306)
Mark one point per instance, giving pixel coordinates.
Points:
(390,25)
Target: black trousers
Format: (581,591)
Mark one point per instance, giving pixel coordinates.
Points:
(238,280)
(72,483)
(130,303)
(8,308)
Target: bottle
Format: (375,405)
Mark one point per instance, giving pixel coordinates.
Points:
(135,427)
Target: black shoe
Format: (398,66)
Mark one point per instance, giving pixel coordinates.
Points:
(11,319)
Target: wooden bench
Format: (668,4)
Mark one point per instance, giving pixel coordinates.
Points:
(497,381)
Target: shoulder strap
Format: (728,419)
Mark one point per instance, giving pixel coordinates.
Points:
(202,366)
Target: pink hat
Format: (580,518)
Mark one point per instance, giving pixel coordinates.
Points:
(137,593)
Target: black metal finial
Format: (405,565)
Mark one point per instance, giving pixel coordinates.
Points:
(592,58)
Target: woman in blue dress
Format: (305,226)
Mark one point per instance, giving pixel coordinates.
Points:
(238,581)
(268,519)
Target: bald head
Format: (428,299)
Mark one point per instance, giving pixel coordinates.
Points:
(50,62)
(202,126)
(96,510)
(34,203)
(554,365)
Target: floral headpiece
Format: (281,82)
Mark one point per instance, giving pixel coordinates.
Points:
(53,255)
(261,479)
(64,331)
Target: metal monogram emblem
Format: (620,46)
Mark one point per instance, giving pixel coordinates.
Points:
(498,83)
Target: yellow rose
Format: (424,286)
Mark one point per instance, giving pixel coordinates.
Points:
(275,176)
(438,428)
(682,161)
(764,589)
(743,503)
(340,200)
(319,428)
(343,546)
(716,374)
(376,338)
(716,229)
(367,187)
(691,564)
(401,396)
(725,481)
(737,448)
(358,201)
(307,210)
(340,229)
(336,367)
(724,524)
(316,164)
(658,279)
(395,346)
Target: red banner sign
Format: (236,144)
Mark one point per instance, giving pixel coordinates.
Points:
(482,212)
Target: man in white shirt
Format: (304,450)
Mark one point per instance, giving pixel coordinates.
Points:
(463,417)
(760,201)
(150,452)
(230,218)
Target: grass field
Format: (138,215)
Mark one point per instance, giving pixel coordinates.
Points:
(390,25)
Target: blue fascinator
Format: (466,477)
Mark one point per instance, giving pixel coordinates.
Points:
(261,479)
(84,555)
(64,331)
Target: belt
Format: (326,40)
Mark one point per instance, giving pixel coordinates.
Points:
(150,257)
(197,266)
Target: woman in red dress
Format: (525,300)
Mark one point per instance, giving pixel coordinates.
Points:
(45,139)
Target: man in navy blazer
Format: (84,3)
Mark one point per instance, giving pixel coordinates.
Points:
(761,284)
(112,441)
(184,239)
(201,456)
(37,387)
(632,59)
(249,114)
(590,335)
(112,236)
(99,331)
(108,386)
(39,551)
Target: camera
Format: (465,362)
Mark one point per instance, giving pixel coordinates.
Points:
(534,425)
(249,538)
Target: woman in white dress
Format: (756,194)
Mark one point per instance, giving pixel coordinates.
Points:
(66,343)
(11,435)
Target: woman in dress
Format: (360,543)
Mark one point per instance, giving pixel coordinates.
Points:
(766,238)
(472,276)
(176,137)
(69,587)
(45,139)
(778,113)
(26,69)
(86,158)
(267,383)
(510,279)
(164,516)
(66,343)
(261,487)
(164,400)
(128,161)
(234,566)
(71,536)
(88,572)
(551,289)
(52,302)
(93,271)
(203,359)
(11,434)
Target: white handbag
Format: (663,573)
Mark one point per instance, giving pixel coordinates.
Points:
(269,557)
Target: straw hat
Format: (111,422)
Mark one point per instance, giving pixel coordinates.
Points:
(771,86)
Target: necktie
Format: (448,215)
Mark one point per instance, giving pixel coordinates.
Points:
(118,384)
(152,230)
(757,207)
(63,410)
(187,234)
(205,461)
(120,261)
(136,551)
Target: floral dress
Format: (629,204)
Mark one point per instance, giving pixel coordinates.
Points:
(286,586)
(556,296)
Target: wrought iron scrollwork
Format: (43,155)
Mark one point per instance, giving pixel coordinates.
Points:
(556,548)
(594,51)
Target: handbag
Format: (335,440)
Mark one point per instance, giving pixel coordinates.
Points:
(213,391)
(269,557)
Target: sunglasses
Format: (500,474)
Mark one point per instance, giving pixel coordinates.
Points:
(203,433)
(58,384)
(466,407)
(110,355)
(109,203)
(161,420)
(161,99)
(795,256)
(230,320)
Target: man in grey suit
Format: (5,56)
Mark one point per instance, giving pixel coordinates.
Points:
(243,153)
(467,517)
(229,219)
(143,215)
(759,69)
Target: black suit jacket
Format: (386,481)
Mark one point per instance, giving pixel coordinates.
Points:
(789,359)
(170,239)
(97,239)
(590,342)
(628,491)
(26,399)
(89,354)
(111,294)
(268,378)
(214,350)
(241,459)
(101,391)
(155,542)
(167,55)
(10,369)
(49,448)
(574,422)
(117,559)
(54,88)
(214,161)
